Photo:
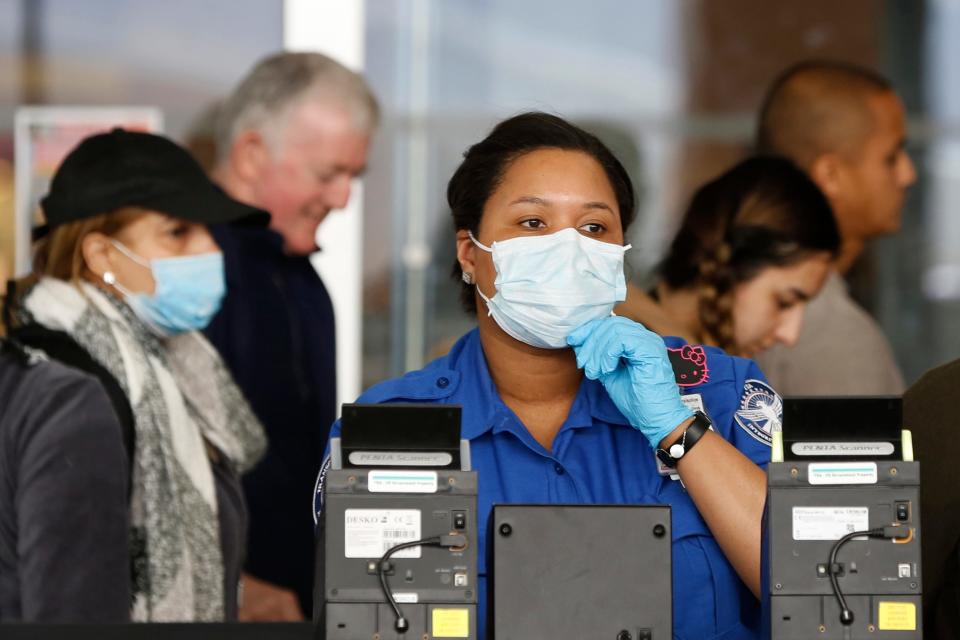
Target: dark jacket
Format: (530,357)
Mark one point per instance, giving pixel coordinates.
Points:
(275,331)
(231,512)
(929,411)
(63,496)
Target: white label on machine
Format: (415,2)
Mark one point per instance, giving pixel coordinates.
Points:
(864,449)
(369,533)
(842,473)
(389,481)
(400,458)
(403,597)
(828,523)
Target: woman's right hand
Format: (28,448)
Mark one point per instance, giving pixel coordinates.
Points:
(632,364)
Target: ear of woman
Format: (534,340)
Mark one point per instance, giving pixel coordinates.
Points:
(96,255)
(102,257)
(466,250)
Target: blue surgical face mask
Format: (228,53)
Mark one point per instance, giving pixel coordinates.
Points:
(189,290)
(549,285)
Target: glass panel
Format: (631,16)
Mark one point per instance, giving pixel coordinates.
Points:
(674,88)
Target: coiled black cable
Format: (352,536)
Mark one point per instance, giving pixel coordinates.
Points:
(846,615)
(401,624)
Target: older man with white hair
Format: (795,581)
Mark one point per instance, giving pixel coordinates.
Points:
(291,139)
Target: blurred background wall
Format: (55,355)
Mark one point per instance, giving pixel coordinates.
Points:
(671,85)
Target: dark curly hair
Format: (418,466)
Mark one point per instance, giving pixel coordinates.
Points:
(485,163)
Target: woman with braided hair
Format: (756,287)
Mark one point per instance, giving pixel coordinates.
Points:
(754,247)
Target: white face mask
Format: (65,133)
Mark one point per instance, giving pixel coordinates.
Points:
(549,285)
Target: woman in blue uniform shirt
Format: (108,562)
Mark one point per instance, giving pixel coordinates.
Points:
(540,209)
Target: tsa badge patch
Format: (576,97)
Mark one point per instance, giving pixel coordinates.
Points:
(761,409)
(689,365)
(318,490)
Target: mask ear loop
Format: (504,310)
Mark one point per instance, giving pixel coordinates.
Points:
(484,247)
(478,243)
(130,254)
(625,248)
(110,277)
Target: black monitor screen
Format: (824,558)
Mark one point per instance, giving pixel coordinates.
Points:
(400,435)
(841,428)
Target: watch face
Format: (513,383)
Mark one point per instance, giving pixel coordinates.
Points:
(676,450)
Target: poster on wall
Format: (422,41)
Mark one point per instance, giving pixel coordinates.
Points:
(43,136)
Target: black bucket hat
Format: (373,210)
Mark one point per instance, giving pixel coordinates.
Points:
(122,168)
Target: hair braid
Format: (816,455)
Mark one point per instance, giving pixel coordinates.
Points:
(717,279)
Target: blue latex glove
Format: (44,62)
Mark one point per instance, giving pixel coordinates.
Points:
(632,364)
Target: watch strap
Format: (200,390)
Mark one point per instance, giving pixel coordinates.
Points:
(687,440)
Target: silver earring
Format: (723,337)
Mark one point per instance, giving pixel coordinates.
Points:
(467,277)
(109,278)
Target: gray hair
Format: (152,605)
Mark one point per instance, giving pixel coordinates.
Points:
(265,97)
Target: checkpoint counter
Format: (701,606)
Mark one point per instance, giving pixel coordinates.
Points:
(397,556)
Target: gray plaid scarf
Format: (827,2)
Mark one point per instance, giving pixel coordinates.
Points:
(181,394)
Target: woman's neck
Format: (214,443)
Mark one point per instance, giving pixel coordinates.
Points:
(539,385)
(683,308)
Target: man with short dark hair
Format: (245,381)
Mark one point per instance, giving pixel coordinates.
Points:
(292,137)
(846,127)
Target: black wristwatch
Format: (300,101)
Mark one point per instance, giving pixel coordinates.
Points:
(690,436)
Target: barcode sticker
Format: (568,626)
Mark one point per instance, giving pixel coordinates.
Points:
(829,523)
(369,533)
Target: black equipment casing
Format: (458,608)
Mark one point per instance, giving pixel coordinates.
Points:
(881,578)
(580,571)
(347,593)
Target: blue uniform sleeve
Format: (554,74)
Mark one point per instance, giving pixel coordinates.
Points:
(758,411)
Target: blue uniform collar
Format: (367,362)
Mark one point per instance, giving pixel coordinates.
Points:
(484,410)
